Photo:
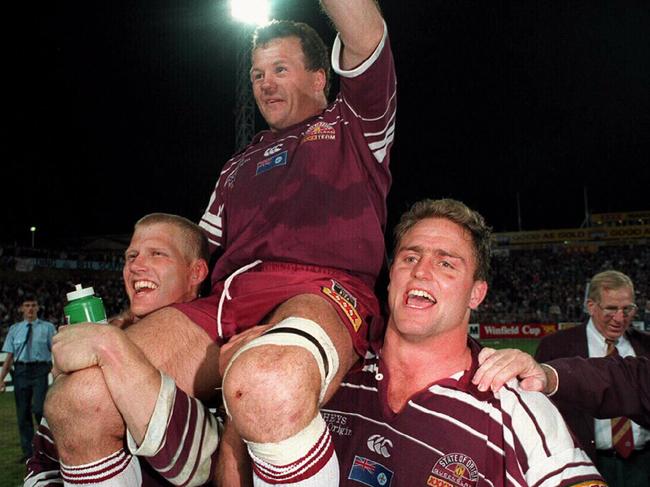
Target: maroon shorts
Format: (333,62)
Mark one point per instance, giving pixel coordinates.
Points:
(258,291)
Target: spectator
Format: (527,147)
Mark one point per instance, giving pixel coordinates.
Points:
(28,346)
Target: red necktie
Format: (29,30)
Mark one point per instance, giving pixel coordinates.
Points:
(622,439)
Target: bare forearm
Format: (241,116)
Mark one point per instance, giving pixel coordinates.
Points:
(132,381)
(360,24)
(6,366)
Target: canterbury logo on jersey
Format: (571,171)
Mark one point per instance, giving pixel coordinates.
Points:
(380,445)
(272,150)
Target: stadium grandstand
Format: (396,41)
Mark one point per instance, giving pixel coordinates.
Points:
(538,281)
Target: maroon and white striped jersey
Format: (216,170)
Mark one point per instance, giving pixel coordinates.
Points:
(44,467)
(181,440)
(451,434)
(314,193)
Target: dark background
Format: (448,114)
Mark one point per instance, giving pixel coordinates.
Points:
(117,109)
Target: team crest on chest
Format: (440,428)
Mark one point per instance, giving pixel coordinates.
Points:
(454,470)
(319,131)
(346,301)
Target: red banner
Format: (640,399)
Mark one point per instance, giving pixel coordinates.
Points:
(517,330)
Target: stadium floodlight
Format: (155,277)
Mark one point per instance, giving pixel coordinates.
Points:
(254,12)
(33,230)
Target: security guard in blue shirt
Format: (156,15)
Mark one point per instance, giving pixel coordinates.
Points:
(28,346)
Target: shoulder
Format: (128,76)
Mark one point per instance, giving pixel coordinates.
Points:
(534,415)
(569,335)
(640,337)
(14,327)
(46,324)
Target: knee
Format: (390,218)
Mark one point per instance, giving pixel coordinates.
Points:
(272,391)
(76,401)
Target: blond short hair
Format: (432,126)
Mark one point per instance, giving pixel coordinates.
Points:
(194,240)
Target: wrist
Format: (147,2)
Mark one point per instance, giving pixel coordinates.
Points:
(552,380)
(111,347)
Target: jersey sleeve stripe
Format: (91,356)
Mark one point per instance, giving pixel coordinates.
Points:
(43,479)
(460,425)
(389,112)
(358,386)
(359,70)
(210,228)
(532,418)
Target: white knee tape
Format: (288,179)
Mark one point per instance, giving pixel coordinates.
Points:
(298,332)
(291,449)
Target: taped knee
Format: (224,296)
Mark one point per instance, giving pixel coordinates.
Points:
(298,332)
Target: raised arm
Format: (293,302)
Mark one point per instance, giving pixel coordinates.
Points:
(360,26)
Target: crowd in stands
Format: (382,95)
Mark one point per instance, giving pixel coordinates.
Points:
(548,285)
(534,286)
(50,288)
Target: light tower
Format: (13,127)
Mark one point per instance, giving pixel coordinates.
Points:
(251,13)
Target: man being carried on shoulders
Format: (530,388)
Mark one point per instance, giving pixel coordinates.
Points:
(297,219)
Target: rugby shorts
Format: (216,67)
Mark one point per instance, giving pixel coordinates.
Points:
(252,295)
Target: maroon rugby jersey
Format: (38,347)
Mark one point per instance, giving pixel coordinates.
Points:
(314,193)
(451,434)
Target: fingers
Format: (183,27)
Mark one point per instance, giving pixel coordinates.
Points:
(484,354)
(497,369)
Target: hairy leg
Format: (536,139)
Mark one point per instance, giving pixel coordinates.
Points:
(84,421)
(82,415)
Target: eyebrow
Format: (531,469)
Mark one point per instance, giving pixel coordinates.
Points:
(439,252)
(280,60)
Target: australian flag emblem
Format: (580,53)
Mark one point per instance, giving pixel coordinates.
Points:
(370,473)
(273,161)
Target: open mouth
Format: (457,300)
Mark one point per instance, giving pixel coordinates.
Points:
(418,298)
(144,286)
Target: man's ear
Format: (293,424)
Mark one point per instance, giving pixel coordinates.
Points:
(319,80)
(591,304)
(479,291)
(198,272)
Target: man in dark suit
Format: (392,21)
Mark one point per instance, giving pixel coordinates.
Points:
(611,308)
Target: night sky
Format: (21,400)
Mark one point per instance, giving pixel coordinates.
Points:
(117,109)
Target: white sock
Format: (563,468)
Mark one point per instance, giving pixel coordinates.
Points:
(307,459)
(119,469)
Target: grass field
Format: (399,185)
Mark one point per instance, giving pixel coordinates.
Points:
(528,345)
(11,472)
